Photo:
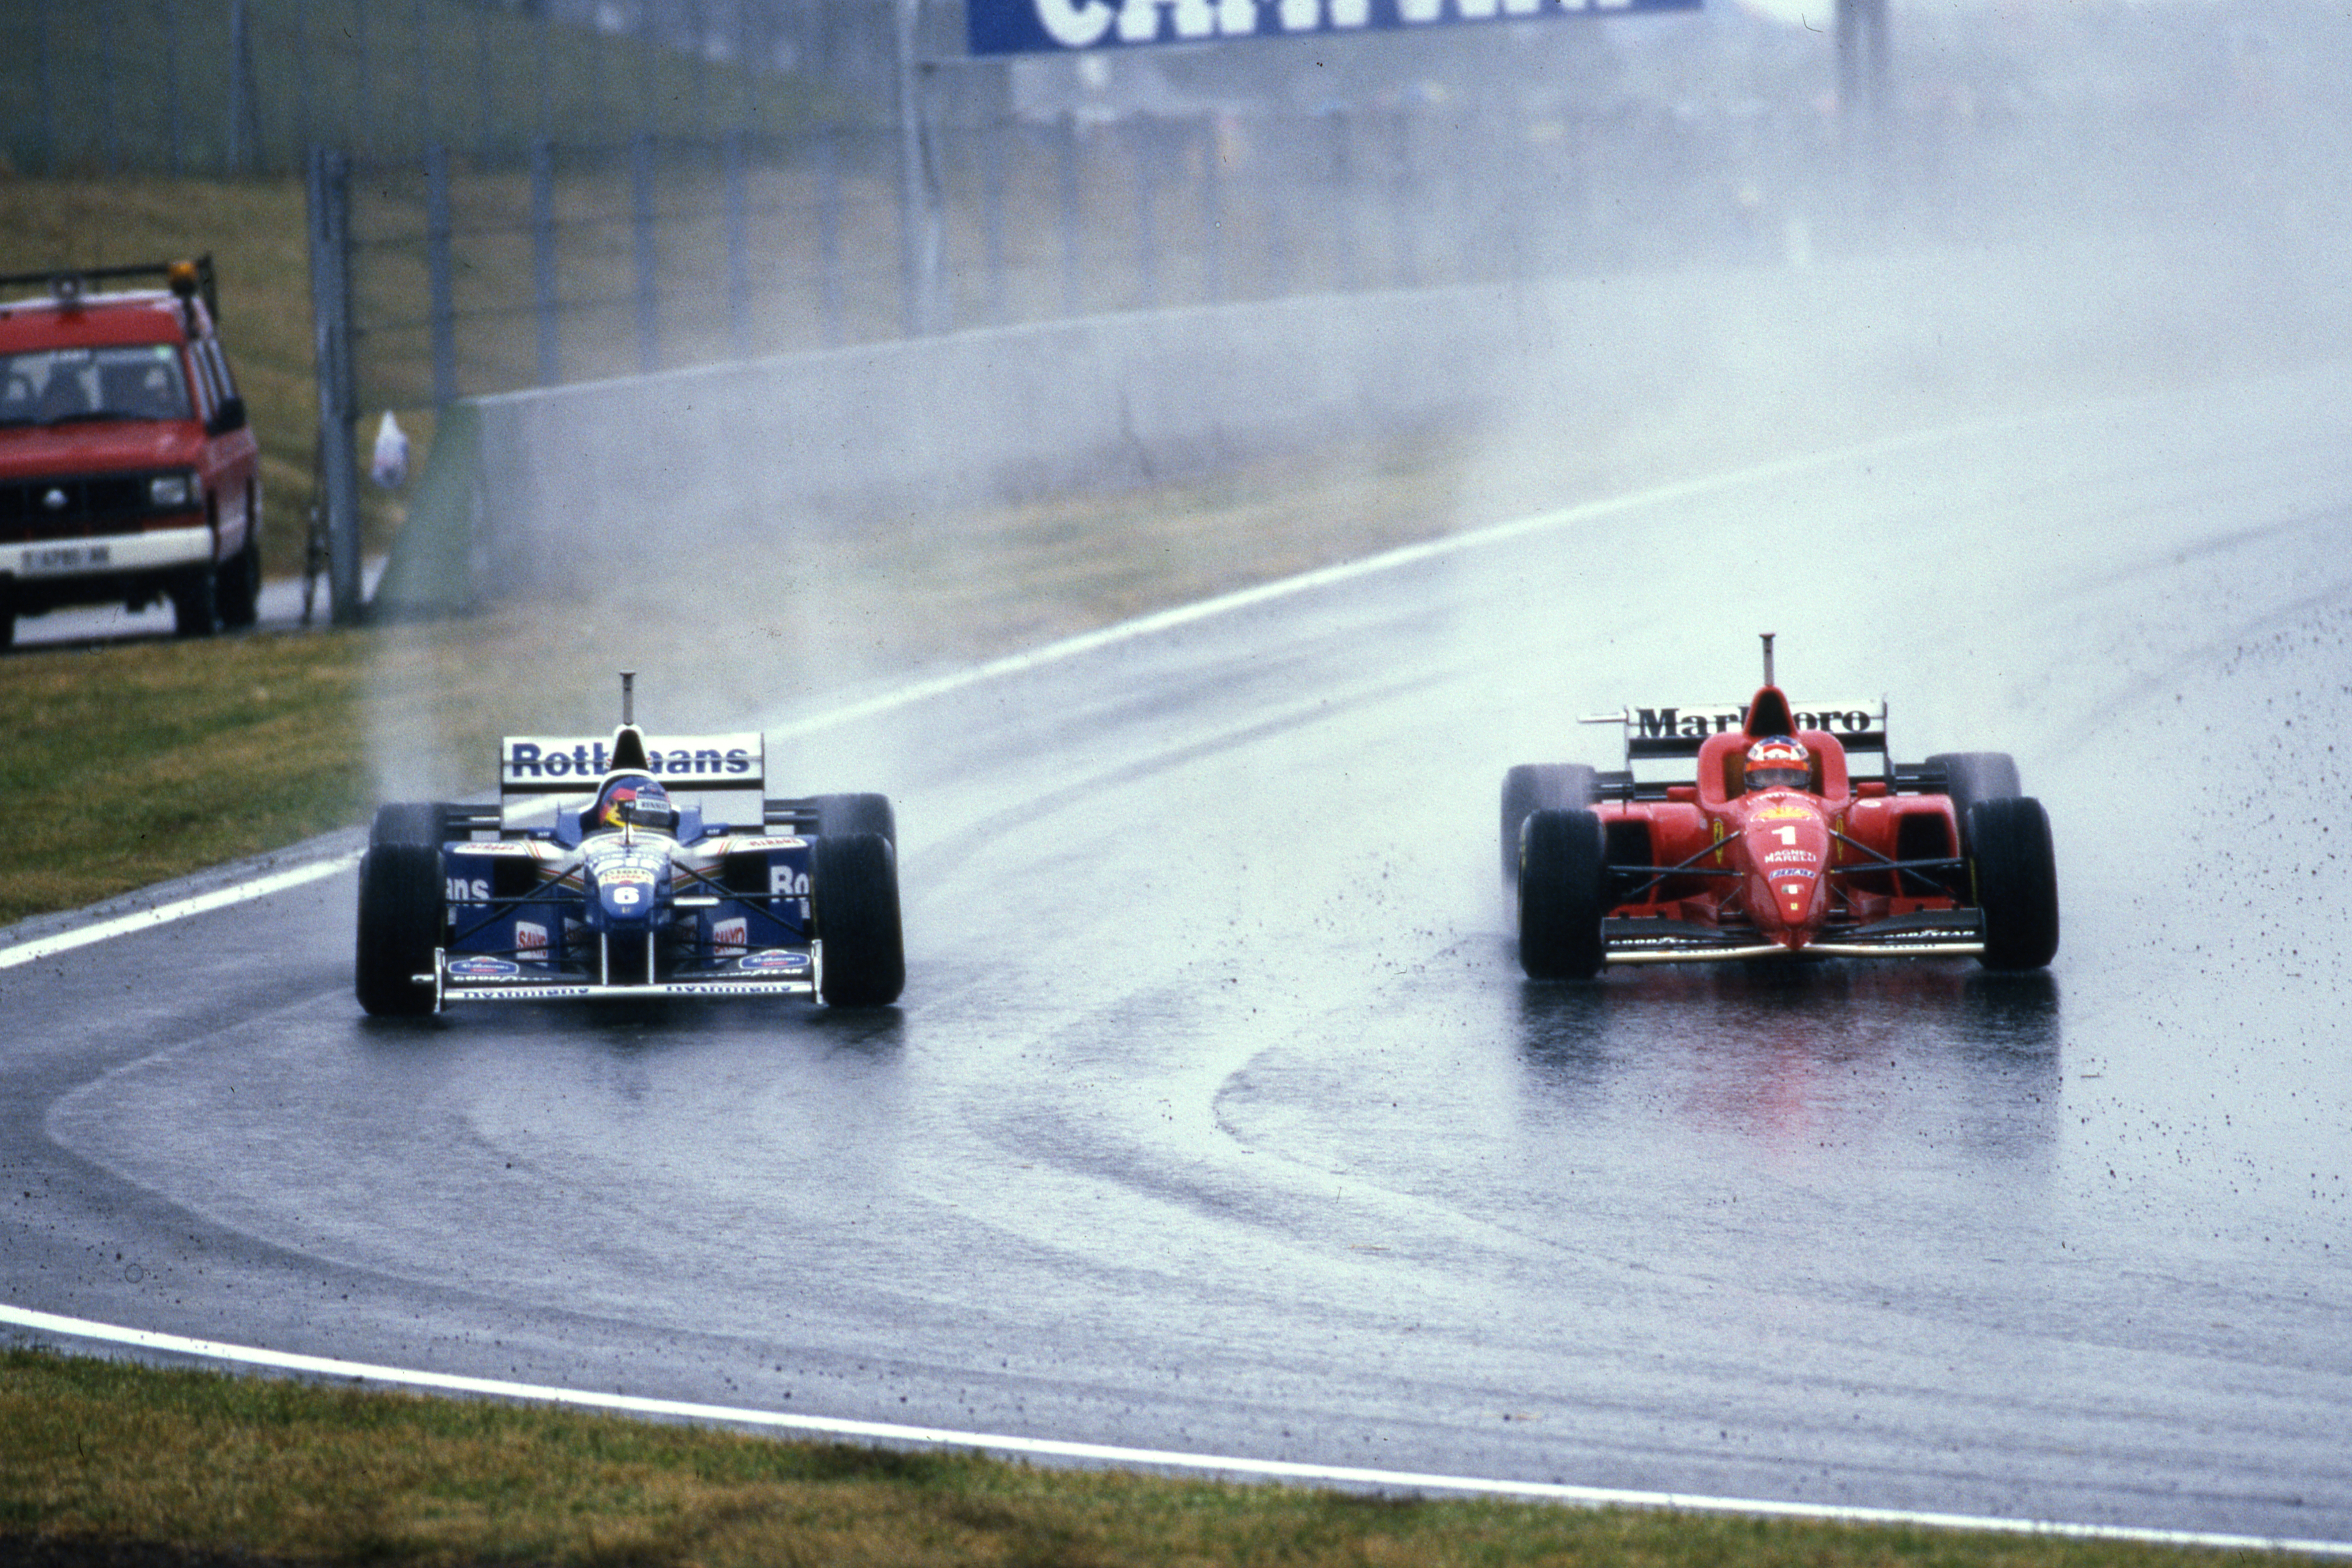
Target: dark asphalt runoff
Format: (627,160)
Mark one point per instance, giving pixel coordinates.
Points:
(1218,1117)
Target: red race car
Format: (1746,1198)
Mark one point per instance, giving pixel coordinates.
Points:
(1748,833)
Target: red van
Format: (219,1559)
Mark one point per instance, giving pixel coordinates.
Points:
(128,472)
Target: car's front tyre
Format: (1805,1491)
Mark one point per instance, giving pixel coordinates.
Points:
(1563,895)
(2017,881)
(855,878)
(401,919)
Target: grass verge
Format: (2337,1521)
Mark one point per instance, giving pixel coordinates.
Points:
(102,1461)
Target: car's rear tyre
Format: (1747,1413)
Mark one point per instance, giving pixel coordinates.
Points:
(840,815)
(1531,788)
(1563,895)
(425,822)
(196,602)
(2017,882)
(855,887)
(1972,776)
(401,919)
(240,586)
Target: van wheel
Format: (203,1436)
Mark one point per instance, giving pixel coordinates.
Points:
(240,587)
(196,602)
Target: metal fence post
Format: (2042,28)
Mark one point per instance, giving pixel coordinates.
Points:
(1068,148)
(110,130)
(440,275)
(173,129)
(1142,137)
(1212,211)
(329,194)
(918,218)
(543,260)
(641,224)
(49,74)
(739,241)
(992,218)
(828,230)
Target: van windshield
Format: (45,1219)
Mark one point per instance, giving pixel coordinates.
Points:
(129,381)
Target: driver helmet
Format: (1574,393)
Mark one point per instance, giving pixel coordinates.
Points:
(636,801)
(1778,761)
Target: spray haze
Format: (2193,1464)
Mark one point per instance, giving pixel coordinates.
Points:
(1539,265)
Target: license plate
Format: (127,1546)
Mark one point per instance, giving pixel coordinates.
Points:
(52,558)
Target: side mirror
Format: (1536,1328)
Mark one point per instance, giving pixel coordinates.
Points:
(228,416)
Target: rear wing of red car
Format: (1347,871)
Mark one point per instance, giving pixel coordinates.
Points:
(1662,744)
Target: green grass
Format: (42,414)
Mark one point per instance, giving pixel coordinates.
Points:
(95,1453)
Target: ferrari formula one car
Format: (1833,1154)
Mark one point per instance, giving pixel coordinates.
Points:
(1748,832)
(588,881)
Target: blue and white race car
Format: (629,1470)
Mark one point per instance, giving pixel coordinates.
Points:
(620,868)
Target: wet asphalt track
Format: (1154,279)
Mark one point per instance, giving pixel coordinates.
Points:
(1218,1117)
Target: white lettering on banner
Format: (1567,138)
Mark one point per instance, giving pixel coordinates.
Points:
(1306,15)
(1077,26)
(1138,20)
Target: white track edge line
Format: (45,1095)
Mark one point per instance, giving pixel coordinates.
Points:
(1228,1465)
(162,914)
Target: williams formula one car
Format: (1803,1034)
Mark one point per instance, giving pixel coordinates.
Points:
(588,881)
(1748,832)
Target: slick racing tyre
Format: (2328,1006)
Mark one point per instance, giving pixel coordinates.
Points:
(2017,882)
(1563,895)
(1972,776)
(401,915)
(425,822)
(1539,787)
(854,885)
(837,815)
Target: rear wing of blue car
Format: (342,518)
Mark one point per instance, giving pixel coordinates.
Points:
(573,764)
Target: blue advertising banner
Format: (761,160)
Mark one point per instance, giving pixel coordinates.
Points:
(1045,27)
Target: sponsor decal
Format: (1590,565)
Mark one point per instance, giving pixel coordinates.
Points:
(1782,873)
(734,846)
(1717,719)
(791,961)
(531,937)
(1794,856)
(1788,814)
(784,882)
(721,760)
(1045,27)
(469,891)
(482,968)
(488,849)
(729,937)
